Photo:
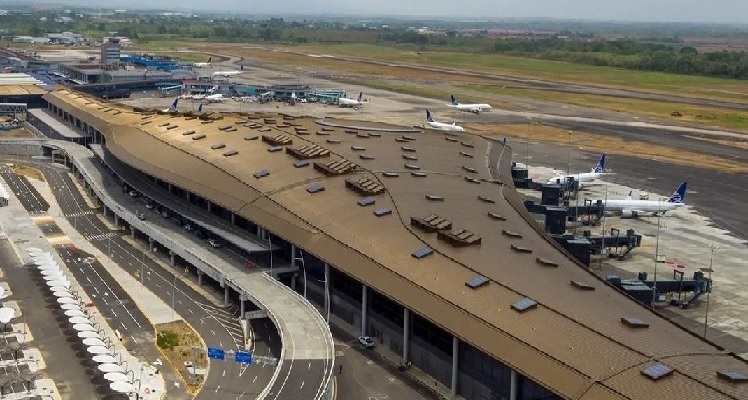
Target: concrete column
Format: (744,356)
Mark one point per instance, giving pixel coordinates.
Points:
(150,244)
(200,277)
(364,308)
(132,232)
(293,256)
(172,258)
(210,205)
(259,231)
(241,307)
(455,366)
(293,281)
(116,219)
(406,334)
(170,192)
(226,295)
(233,219)
(514,385)
(327,292)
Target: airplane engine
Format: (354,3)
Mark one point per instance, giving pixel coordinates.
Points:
(476,111)
(627,214)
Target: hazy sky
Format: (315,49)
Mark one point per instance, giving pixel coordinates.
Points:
(731,11)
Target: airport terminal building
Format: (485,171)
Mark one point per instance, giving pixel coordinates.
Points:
(417,239)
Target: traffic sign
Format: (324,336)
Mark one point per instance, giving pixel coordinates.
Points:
(216,353)
(243,357)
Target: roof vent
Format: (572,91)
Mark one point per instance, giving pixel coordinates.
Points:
(469,169)
(390,174)
(170,127)
(365,157)
(366,201)
(225,127)
(496,216)
(327,129)
(251,137)
(434,197)
(188,133)
(363,135)
(274,149)
(581,285)
(466,144)
(301,163)
(190,118)
(471,179)
(524,304)
(333,141)
(409,157)
(464,154)
(315,188)
(145,123)
(408,149)
(486,199)
(511,234)
(656,371)
(358,148)
(450,139)
(412,166)
(308,151)
(459,238)
(632,322)
(422,252)
(277,140)
(230,153)
(230,129)
(546,263)
(418,174)
(218,146)
(339,167)
(732,376)
(410,138)
(322,133)
(381,212)
(351,131)
(400,140)
(261,173)
(198,137)
(164,124)
(210,121)
(520,249)
(365,186)
(476,282)
(265,129)
(430,224)
(375,134)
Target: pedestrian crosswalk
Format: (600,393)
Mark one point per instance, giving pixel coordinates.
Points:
(58,240)
(79,214)
(101,236)
(41,218)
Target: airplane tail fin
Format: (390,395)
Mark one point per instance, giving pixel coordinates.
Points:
(600,166)
(200,108)
(360,96)
(210,59)
(429,118)
(453,100)
(629,195)
(679,196)
(173,106)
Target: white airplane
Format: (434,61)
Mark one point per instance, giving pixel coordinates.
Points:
(584,177)
(353,103)
(227,73)
(215,98)
(442,126)
(172,107)
(473,108)
(630,207)
(201,64)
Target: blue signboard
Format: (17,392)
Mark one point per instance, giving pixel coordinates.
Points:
(216,353)
(243,357)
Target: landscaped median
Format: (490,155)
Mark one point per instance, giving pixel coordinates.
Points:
(184,350)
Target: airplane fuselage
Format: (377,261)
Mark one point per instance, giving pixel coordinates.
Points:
(635,207)
(473,108)
(226,73)
(344,102)
(445,127)
(585,177)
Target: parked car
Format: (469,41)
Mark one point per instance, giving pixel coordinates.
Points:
(150,205)
(214,243)
(134,193)
(188,227)
(366,341)
(141,216)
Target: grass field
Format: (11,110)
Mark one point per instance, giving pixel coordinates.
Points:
(696,86)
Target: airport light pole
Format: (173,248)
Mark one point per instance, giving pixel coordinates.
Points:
(713,249)
(568,155)
(527,141)
(602,241)
(657,255)
(173,292)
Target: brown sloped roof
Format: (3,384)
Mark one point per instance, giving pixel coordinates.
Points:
(573,342)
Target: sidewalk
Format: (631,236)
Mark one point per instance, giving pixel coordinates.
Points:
(24,233)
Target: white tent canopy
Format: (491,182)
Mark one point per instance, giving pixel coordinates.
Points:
(62,293)
(122,387)
(76,313)
(33,250)
(52,271)
(64,283)
(97,350)
(56,277)
(110,368)
(88,334)
(116,377)
(70,306)
(6,314)
(79,320)
(104,358)
(67,300)
(94,342)
(59,289)
(84,327)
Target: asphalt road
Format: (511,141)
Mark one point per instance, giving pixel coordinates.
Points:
(219,327)
(27,194)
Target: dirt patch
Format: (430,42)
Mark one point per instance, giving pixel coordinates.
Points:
(16,133)
(740,144)
(181,345)
(606,144)
(32,173)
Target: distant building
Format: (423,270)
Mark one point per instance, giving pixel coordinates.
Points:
(65,38)
(110,52)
